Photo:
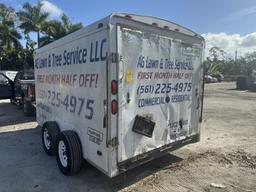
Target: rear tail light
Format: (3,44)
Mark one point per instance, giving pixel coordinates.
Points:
(31,91)
(114,87)
(114,107)
(114,103)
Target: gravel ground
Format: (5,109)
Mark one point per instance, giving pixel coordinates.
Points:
(224,160)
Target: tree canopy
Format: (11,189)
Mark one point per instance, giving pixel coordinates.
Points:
(56,29)
(17,26)
(217,62)
(33,19)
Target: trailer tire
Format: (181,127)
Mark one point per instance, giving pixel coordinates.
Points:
(49,133)
(69,152)
(12,101)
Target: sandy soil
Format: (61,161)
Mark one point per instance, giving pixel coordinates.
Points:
(224,159)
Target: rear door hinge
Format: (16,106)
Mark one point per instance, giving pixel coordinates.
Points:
(113,142)
(114,57)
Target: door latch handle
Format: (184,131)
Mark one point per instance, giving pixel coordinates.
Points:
(105,114)
(128,97)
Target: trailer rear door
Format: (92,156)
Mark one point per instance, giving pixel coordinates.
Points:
(159,91)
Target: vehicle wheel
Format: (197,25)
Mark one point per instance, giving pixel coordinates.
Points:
(69,155)
(20,104)
(49,134)
(28,109)
(11,101)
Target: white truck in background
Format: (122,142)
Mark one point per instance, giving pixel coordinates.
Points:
(119,92)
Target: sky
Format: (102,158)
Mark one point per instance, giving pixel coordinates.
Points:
(228,24)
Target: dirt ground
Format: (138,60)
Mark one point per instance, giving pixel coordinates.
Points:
(224,159)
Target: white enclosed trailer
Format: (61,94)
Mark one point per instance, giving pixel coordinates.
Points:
(119,92)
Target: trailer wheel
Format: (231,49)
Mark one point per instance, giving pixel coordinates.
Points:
(12,101)
(69,155)
(49,133)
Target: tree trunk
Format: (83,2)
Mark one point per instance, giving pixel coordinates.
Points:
(38,39)
(8,44)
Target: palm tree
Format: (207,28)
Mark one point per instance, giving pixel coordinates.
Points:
(33,19)
(56,29)
(68,26)
(7,13)
(9,36)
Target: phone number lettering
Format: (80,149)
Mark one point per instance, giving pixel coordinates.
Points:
(163,88)
(71,103)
